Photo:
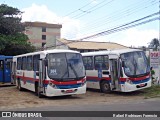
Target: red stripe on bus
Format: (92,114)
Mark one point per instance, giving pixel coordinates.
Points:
(97,78)
(53,81)
(66,82)
(121,79)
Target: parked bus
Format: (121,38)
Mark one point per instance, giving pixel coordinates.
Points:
(50,72)
(5,69)
(122,70)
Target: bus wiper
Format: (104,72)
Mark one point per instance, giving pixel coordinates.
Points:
(71,66)
(64,74)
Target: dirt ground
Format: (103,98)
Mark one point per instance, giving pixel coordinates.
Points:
(11,98)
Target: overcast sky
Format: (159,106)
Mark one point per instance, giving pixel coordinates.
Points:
(81,18)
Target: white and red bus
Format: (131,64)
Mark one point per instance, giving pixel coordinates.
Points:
(50,72)
(122,70)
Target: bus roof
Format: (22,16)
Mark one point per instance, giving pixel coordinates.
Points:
(120,51)
(96,53)
(48,51)
(2,57)
(117,52)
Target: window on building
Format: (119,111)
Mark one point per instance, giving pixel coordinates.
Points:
(43,29)
(101,62)
(43,44)
(81,51)
(88,62)
(43,37)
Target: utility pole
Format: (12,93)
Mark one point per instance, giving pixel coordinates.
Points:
(159,22)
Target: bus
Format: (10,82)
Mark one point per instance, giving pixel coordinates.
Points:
(50,72)
(5,69)
(123,70)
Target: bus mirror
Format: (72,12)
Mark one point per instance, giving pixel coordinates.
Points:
(123,63)
(106,72)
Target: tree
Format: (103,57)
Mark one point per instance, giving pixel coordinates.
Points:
(154,44)
(12,39)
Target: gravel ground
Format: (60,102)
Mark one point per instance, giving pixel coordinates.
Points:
(11,97)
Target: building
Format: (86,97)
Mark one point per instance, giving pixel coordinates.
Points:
(42,34)
(87,46)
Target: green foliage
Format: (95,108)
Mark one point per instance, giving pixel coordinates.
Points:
(152,92)
(12,39)
(152,72)
(154,44)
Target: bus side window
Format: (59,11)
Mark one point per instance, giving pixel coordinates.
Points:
(8,63)
(36,62)
(1,64)
(23,63)
(101,62)
(98,62)
(29,63)
(19,63)
(88,62)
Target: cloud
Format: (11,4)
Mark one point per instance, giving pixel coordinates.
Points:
(70,27)
(131,37)
(135,37)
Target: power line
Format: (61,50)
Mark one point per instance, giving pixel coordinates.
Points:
(78,9)
(116,17)
(117,29)
(90,10)
(110,30)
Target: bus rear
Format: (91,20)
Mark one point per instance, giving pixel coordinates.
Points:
(5,69)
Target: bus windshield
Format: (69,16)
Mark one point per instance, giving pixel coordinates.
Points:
(135,64)
(65,66)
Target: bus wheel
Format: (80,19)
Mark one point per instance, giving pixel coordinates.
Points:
(19,86)
(105,87)
(37,90)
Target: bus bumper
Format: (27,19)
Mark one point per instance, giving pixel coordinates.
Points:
(127,87)
(50,91)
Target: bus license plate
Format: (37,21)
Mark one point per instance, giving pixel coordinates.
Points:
(69,91)
(142,85)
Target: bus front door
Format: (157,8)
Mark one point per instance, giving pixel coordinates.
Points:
(114,74)
(7,71)
(41,78)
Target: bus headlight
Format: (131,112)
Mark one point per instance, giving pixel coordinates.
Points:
(83,84)
(129,81)
(52,85)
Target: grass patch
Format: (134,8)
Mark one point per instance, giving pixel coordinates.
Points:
(152,92)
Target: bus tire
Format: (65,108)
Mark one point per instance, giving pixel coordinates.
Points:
(37,91)
(19,85)
(105,87)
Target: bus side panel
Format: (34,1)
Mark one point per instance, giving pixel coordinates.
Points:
(28,81)
(5,68)
(91,82)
